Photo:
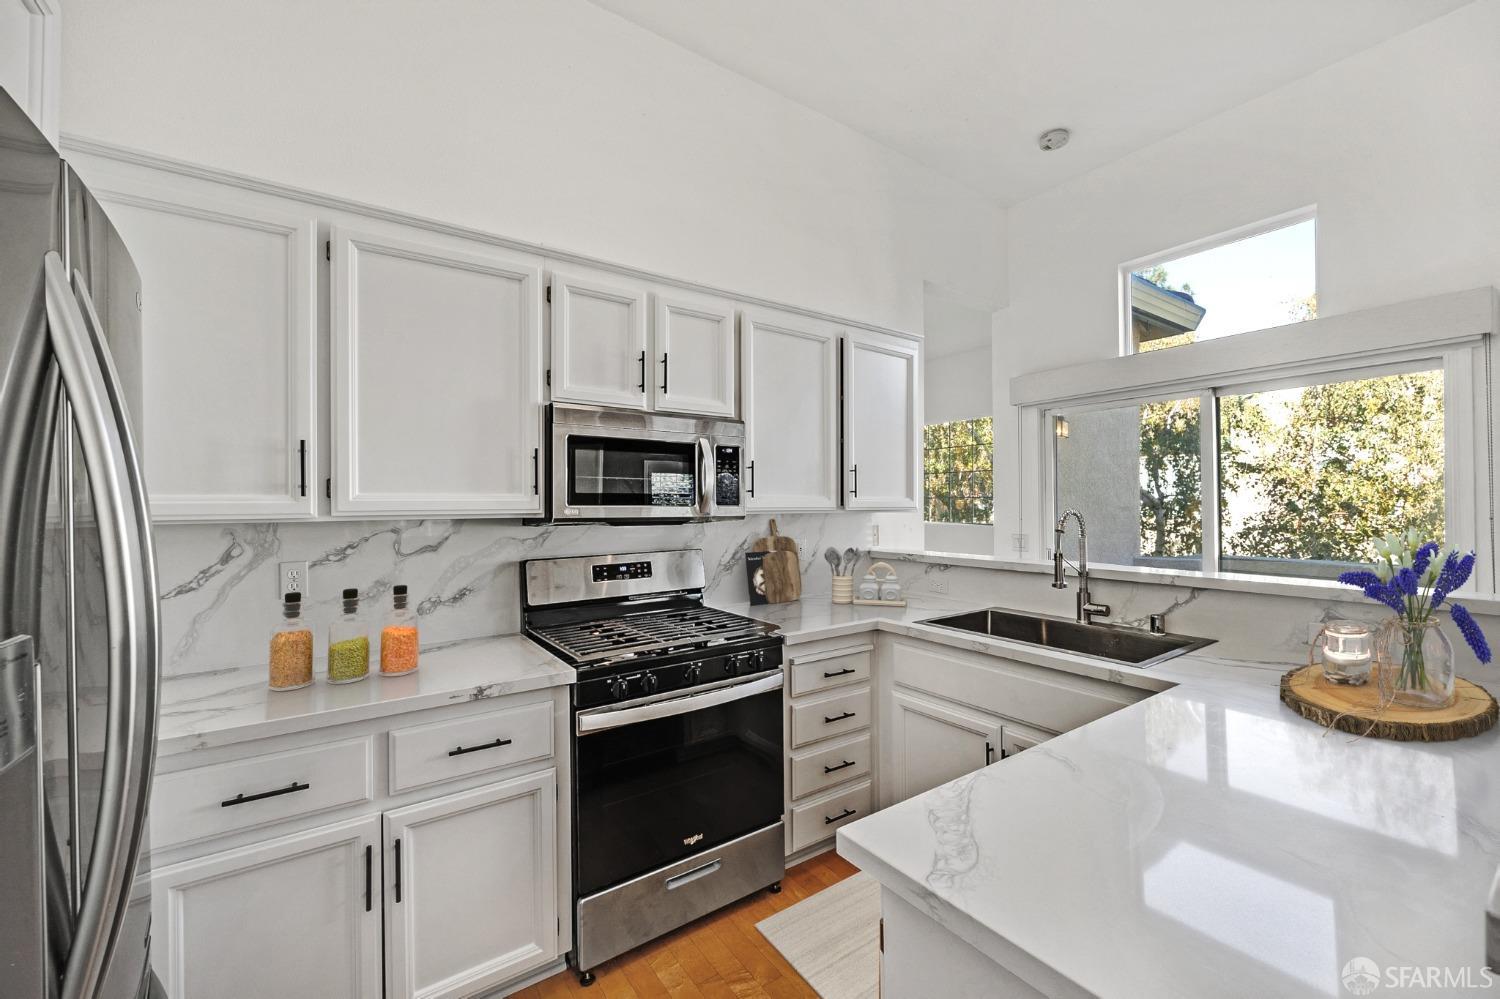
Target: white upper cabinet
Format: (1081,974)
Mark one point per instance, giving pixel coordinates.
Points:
(31,59)
(882,422)
(228,355)
(790,393)
(437,379)
(471,889)
(599,351)
(617,342)
(693,343)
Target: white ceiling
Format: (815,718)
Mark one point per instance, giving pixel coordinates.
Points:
(965,86)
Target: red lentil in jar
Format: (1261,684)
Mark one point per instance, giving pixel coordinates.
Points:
(399,642)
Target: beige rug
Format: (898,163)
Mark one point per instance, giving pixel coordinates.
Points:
(833,938)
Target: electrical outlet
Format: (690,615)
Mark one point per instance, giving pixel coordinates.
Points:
(874,534)
(940,585)
(293,578)
(1020,543)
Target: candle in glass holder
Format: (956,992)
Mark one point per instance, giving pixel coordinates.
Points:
(1348,647)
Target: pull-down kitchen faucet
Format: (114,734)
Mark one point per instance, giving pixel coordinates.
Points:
(1086,607)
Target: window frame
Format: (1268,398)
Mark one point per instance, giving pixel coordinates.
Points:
(1296,216)
(1467,430)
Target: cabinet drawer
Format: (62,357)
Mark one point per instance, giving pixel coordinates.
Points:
(227,797)
(828,764)
(823,670)
(817,820)
(829,716)
(445,750)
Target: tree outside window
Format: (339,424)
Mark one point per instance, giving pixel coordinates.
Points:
(958,472)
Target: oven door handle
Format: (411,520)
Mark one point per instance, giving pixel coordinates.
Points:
(604,719)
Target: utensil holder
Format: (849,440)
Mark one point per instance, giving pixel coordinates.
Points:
(843,589)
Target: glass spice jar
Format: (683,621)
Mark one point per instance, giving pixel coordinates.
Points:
(348,644)
(398,639)
(291,658)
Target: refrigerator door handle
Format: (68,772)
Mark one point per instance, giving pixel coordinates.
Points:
(123,522)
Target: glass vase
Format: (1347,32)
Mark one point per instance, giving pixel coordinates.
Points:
(1417,664)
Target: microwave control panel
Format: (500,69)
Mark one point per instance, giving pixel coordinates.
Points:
(727,476)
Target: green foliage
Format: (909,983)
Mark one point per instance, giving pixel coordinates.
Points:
(1171,479)
(1354,461)
(1324,473)
(958,472)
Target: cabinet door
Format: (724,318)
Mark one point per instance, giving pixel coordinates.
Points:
(693,339)
(599,354)
(931,743)
(31,59)
(228,356)
(790,391)
(295,917)
(471,889)
(882,422)
(437,374)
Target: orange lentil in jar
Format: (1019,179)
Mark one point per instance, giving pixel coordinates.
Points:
(291,659)
(398,649)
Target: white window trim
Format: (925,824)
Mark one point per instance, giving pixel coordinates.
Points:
(1454,335)
(1244,232)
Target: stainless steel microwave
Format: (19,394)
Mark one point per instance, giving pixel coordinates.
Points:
(619,465)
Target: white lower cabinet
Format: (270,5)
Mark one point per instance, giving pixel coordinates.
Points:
(470,891)
(931,743)
(296,917)
(421,891)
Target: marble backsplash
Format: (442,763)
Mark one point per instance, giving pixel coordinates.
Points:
(220,582)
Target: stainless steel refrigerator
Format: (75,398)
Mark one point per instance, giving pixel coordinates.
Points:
(79,645)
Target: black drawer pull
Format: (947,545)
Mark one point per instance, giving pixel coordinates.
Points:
(829,721)
(837,672)
(842,766)
(461,750)
(841,815)
(241,799)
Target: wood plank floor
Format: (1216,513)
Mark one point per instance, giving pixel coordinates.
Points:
(721,956)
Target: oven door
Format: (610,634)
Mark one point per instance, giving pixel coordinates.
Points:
(661,781)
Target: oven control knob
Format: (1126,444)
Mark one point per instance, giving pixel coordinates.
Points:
(692,673)
(732,666)
(650,682)
(617,687)
(759,658)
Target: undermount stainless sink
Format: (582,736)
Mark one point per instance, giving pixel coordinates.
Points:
(1125,646)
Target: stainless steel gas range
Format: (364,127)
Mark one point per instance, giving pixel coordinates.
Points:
(677,744)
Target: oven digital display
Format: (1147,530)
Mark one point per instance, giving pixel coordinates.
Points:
(622,570)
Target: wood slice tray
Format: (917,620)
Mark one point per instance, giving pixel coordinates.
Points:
(1358,709)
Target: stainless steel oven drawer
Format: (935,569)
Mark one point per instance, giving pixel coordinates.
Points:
(623,917)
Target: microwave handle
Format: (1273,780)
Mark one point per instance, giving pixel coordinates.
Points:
(705,477)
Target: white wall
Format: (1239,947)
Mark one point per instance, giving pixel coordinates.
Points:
(957,386)
(1398,148)
(546,120)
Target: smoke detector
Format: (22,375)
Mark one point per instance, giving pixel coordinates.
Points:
(1053,138)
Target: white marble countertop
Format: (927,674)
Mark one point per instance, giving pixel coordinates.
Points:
(200,710)
(1204,841)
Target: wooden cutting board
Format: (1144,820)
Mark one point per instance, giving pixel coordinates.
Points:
(783,566)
